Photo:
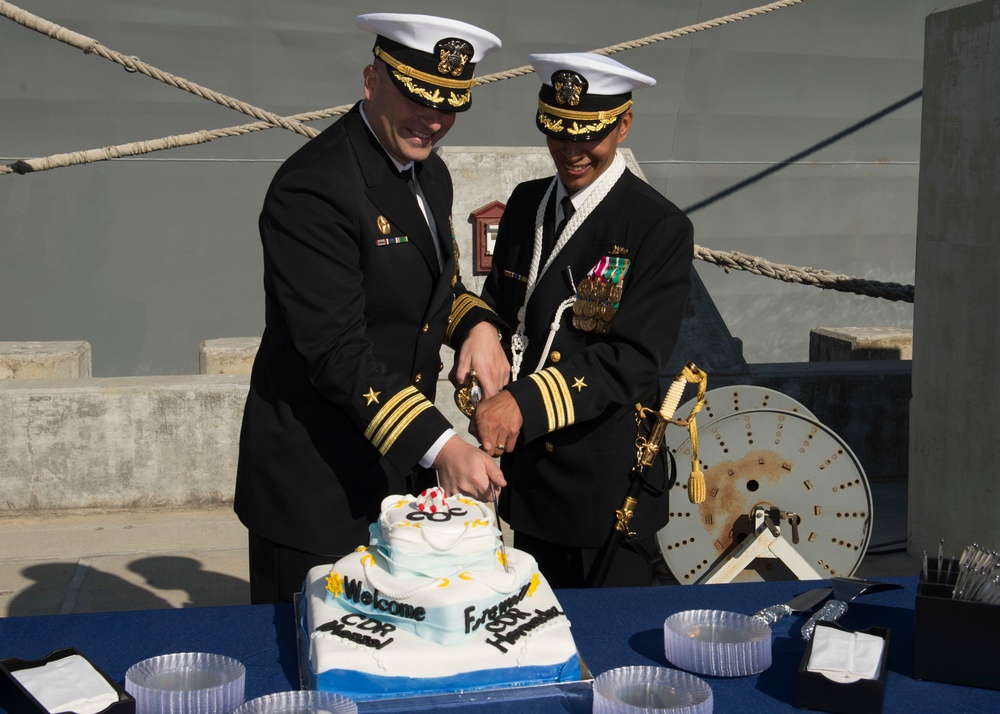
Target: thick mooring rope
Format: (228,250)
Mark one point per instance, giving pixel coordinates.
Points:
(804,276)
(652,39)
(268,120)
(133,64)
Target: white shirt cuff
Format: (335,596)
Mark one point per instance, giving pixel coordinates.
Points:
(428,460)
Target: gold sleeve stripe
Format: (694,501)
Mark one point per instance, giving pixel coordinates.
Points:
(558,413)
(567,396)
(560,396)
(460,308)
(386,410)
(393,418)
(556,398)
(546,399)
(404,422)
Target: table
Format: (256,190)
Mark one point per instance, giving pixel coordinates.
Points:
(613,627)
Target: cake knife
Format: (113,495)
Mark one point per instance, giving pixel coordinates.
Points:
(496,513)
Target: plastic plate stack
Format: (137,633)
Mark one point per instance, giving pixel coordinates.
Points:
(300,702)
(186,683)
(717,643)
(631,690)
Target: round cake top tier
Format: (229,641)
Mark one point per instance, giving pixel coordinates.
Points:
(434,524)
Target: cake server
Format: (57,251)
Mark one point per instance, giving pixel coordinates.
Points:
(800,603)
(844,591)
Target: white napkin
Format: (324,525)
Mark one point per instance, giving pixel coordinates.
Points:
(70,684)
(845,656)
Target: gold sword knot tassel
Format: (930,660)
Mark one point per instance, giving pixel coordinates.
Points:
(623,516)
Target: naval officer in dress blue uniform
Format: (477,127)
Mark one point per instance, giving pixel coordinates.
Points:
(591,271)
(361,289)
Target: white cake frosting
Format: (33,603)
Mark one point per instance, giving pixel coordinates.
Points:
(433,604)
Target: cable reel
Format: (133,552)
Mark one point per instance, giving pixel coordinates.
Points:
(785,498)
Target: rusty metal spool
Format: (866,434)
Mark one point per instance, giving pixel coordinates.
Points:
(779,460)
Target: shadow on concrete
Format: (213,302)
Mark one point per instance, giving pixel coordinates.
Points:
(204,588)
(63,588)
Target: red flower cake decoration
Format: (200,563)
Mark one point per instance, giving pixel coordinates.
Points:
(431,500)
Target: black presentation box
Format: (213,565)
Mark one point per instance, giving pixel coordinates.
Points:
(862,697)
(954,641)
(17,700)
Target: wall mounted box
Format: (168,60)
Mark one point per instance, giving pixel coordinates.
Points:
(864,696)
(954,641)
(15,699)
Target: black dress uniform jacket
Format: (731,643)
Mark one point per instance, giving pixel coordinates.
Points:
(356,307)
(570,469)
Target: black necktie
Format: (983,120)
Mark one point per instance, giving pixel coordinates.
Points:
(409,180)
(568,211)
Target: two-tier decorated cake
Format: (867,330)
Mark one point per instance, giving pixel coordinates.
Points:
(434,603)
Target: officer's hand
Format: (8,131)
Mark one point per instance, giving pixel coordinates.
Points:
(497,423)
(482,352)
(462,468)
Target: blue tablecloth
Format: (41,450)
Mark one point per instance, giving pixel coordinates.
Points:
(613,627)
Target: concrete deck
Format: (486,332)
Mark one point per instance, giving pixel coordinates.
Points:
(85,561)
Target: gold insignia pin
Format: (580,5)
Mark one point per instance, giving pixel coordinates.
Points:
(618,250)
(383,225)
(371,396)
(579,384)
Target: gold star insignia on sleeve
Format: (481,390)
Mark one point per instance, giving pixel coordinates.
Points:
(371,396)
(578,384)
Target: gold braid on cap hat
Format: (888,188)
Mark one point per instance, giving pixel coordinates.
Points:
(600,119)
(408,71)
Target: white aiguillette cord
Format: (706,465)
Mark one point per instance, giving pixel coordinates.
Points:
(519,340)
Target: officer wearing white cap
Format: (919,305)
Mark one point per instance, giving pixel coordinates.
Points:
(431,60)
(591,271)
(584,95)
(361,288)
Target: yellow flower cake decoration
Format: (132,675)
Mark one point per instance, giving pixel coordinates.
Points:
(502,557)
(335,584)
(464,575)
(444,583)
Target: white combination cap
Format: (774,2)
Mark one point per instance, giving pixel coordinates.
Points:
(583,94)
(431,59)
